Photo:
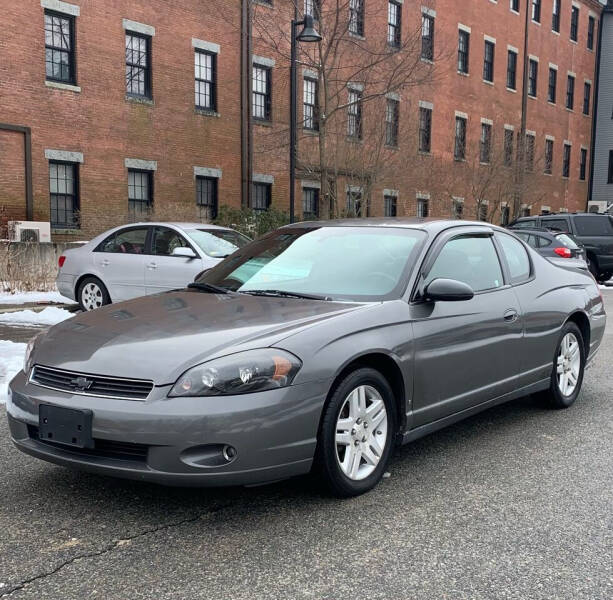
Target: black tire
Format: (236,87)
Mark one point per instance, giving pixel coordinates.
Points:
(592,265)
(554,396)
(326,462)
(603,277)
(104,294)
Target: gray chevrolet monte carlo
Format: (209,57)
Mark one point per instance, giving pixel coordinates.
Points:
(320,346)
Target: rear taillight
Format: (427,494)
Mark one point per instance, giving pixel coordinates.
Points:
(563,252)
(60,261)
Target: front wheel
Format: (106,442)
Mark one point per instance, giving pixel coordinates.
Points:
(357,433)
(568,368)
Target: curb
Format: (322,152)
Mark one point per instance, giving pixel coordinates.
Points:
(10,308)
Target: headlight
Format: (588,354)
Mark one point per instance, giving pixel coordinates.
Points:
(27,359)
(241,373)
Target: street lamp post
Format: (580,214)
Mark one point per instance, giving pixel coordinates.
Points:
(308,34)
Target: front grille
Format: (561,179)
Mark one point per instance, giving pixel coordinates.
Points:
(91,385)
(101,449)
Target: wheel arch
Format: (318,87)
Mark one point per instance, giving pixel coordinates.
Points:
(80,280)
(581,320)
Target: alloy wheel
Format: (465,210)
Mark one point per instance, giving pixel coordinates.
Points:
(568,364)
(361,432)
(91,296)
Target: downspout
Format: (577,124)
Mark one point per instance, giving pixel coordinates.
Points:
(27,153)
(590,185)
(246,125)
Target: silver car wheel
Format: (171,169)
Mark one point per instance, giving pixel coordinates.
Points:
(91,296)
(361,432)
(569,364)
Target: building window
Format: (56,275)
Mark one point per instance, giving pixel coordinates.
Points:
(504,216)
(574,23)
(354,114)
(485,143)
(583,164)
(59,47)
(64,194)
(481,211)
(422,207)
(311,7)
(587,96)
(566,163)
(394,24)
(512,70)
(533,71)
(591,27)
(140,191)
(427,37)
(205,75)
(488,61)
(310,112)
(262,97)
(206,197)
(536,11)
(515,5)
(570,93)
(610,174)
(530,143)
(525,211)
(260,196)
(553,84)
(138,65)
(356,17)
(355,203)
(508,147)
(463,51)
(458,208)
(425,129)
(391,122)
(310,203)
(548,157)
(459,152)
(390,206)
(555,17)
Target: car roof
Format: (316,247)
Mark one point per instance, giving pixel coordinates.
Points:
(179,224)
(430,224)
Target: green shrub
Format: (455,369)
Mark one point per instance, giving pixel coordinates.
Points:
(253,223)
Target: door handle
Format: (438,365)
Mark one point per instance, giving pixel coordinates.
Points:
(511,315)
(105,263)
(152,266)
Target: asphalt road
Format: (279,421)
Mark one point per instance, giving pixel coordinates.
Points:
(514,503)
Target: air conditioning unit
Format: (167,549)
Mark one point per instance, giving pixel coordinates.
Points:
(29,231)
(597,206)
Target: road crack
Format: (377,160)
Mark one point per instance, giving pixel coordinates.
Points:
(116,543)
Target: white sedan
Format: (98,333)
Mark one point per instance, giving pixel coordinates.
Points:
(142,258)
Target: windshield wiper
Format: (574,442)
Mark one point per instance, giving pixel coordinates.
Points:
(284,294)
(208,287)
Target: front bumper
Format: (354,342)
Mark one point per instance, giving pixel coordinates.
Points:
(179,441)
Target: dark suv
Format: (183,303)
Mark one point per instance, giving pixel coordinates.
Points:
(594,232)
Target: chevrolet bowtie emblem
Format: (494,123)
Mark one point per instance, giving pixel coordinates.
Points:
(81,383)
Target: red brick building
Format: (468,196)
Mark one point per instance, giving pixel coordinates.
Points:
(112,111)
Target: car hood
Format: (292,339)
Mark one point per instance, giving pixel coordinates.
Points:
(159,337)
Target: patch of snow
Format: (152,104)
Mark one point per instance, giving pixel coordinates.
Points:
(11,361)
(25,297)
(48,316)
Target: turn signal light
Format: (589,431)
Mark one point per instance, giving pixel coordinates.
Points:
(60,261)
(563,252)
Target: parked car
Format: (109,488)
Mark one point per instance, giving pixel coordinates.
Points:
(142,258)
(320,345)
(554,245)
(593,231)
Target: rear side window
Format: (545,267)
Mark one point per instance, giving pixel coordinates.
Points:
(470,259)
(127,241)
(558,224)
(594,225)
(516,256)
(542,241)
(529,223)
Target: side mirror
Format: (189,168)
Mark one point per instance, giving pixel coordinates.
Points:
(448,290)
(184,252)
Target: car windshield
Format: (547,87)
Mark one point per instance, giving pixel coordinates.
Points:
(343,263)
(218,243)
(567,241)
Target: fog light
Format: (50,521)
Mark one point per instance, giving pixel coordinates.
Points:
(229,452)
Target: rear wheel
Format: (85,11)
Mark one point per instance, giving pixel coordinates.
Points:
(603,277)
(568,368)
(357,433)
(92,294)
(592,265)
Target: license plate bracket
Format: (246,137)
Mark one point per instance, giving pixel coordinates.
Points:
(66,426)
